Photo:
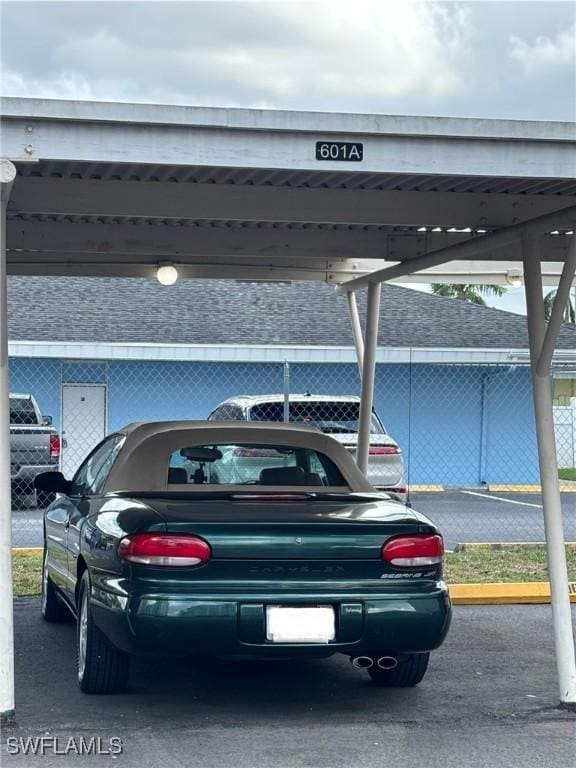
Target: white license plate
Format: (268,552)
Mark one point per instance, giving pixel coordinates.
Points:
(286,624)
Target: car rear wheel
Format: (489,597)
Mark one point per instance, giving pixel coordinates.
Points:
(52,608)
(409,672)
(102,668)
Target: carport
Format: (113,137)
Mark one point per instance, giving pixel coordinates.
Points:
(354,200)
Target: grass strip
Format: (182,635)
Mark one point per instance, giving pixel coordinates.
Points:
(27,573)
(512,563)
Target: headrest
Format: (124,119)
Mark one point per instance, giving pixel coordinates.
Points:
(283,476)
(177,476)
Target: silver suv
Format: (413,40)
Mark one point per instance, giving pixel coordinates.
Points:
(335,415)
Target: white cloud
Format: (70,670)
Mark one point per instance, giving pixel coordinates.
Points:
(545,52)
(275,53)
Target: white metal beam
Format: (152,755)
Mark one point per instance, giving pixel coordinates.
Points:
(470,248)
(156,135)
(230,238)
(7,176)
(111,265)
(16,107)
(557,316)
(368,376)
(356,329)
(162,200)
(220,239)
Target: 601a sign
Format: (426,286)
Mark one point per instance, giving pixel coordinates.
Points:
(343,151)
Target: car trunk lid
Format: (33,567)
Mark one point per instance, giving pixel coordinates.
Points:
(292,538)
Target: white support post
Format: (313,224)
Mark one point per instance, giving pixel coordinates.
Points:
(368,376)
(7,176)
(356,329)
(555,544)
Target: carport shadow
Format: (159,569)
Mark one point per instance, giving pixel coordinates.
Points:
(497,662)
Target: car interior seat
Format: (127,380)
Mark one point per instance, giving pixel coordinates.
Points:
(177,476)
(283,476)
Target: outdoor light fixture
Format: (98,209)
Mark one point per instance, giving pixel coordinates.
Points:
(514,278)
(166,274)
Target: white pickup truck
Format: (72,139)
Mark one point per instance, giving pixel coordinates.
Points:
(34,448)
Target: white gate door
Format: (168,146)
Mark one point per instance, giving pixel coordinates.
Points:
(565,434)
(83,423)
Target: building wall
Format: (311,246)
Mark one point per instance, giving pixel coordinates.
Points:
(457,424)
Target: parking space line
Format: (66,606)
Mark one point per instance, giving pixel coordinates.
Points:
(499,498)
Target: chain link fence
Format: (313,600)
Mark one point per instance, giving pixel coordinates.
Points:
(450,434)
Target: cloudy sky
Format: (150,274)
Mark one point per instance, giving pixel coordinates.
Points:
(496,59)
(488,59)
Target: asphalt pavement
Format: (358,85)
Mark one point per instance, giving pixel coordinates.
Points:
(489,700)
(466,515)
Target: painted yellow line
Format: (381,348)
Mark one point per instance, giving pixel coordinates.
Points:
(500,594)
(426,488)
(564,488)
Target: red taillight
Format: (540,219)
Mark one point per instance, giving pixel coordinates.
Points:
(54,447)
(383,450)
(413,551)
(164,549)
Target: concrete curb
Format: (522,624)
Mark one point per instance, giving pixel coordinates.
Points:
(426,488)
(502,594)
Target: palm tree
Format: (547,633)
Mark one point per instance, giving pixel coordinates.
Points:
(474,294)
(569,314)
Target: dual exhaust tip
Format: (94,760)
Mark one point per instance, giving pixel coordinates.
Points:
(365,662)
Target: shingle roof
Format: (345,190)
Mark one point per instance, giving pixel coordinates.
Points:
(62,309)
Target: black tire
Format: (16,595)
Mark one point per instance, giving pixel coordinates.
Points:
(408,673)
(52,608)
(102,668)
(44,499)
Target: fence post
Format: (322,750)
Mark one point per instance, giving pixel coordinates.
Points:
(286,391)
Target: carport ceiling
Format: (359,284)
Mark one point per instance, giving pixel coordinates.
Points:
(117,188)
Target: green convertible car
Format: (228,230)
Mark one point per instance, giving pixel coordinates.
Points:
(155,554)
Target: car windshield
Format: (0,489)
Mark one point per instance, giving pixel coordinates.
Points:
(330,417)
(252,464)
(22,411)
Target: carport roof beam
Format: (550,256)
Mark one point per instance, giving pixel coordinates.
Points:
(557,316)
(467,249)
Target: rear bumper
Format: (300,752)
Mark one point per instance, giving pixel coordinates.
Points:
(184,624)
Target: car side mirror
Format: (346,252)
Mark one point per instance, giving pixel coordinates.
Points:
(52,482)
(47,421)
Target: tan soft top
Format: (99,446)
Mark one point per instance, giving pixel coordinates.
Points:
(142,464)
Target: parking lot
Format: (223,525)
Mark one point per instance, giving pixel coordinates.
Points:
(489,699)
(463,516)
